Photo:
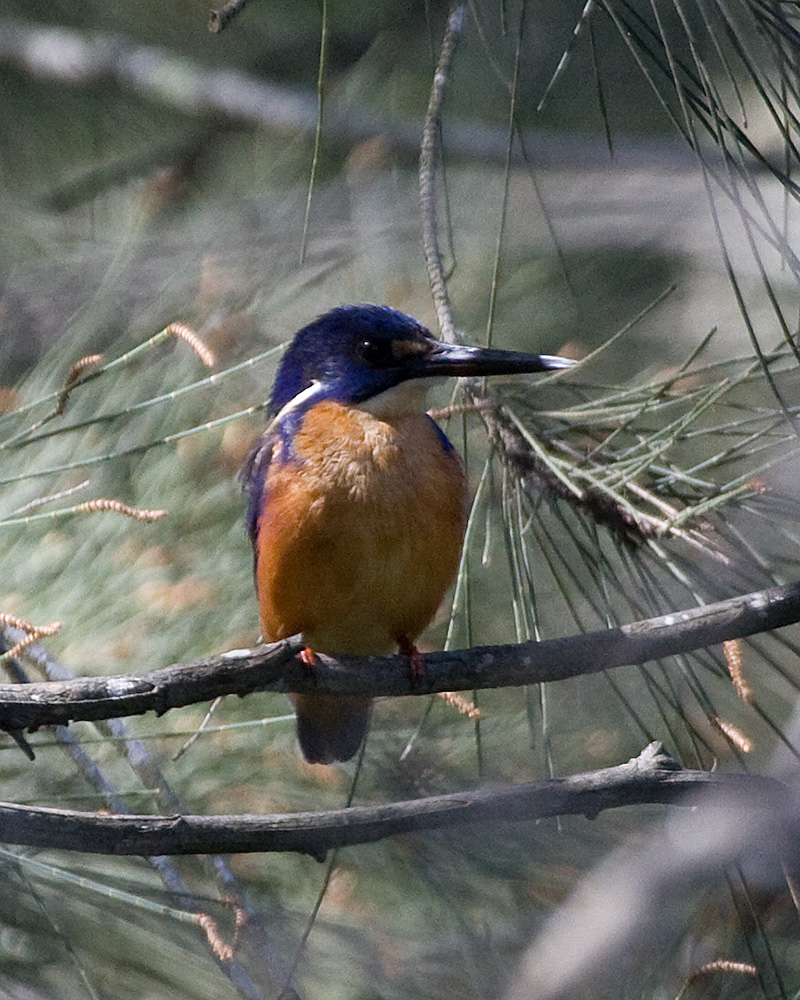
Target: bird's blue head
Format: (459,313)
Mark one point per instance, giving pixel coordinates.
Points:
(354,353)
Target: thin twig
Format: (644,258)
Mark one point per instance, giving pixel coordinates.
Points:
(323,59)
(427,176)
(100,505)
(33,636)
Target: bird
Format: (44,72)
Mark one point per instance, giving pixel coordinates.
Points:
(357,500)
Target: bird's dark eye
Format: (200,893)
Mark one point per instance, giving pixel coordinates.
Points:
(377,353)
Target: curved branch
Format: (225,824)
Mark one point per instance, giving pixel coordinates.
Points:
(276,667)
(652,777)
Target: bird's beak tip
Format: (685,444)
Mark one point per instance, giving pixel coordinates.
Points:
(554,362)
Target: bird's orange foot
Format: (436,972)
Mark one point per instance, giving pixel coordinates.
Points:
(416,663)
(308,657)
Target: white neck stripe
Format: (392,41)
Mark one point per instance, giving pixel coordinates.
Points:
(310,394)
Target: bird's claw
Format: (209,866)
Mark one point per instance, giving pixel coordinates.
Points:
(308,658)
(416,664)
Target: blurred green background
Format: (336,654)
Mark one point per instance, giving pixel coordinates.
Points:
(147,176)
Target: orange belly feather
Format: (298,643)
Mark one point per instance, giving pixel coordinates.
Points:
(359,538)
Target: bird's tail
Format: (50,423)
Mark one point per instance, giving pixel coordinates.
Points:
(330,728)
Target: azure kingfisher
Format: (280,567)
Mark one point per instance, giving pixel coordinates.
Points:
(357,501)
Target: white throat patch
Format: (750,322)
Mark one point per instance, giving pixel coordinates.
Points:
(400,400)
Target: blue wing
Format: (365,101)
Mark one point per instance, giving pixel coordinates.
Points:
(253,479)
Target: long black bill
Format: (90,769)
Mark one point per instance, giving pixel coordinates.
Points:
(458,360)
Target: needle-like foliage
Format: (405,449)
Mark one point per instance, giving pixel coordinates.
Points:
(614,178)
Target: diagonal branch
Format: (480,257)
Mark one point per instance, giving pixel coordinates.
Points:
(652,777)
(277,668)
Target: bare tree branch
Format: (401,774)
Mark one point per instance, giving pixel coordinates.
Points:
(220,18)
(652,777)
(74,58)
(28,706)
(275,667)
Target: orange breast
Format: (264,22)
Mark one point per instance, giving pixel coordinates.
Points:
(361,533)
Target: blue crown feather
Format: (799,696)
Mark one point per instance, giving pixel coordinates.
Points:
(327,351)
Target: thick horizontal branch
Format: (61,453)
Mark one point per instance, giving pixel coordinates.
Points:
(276,667)
(652,777)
